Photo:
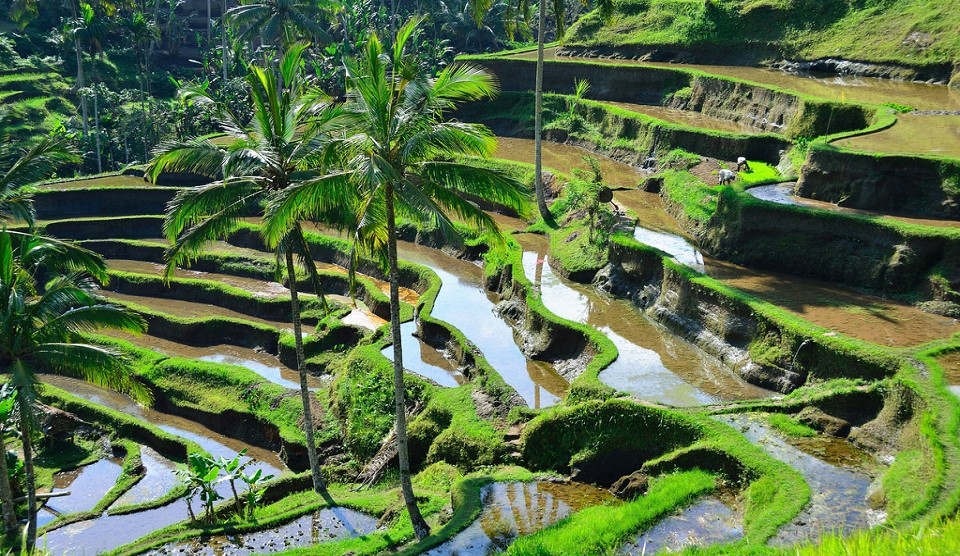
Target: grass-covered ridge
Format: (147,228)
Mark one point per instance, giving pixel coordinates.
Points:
(909,32)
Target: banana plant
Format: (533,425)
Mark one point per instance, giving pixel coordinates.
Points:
(200,476)
(233,471)
(254,494)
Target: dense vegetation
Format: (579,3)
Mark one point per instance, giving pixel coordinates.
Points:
(275,119)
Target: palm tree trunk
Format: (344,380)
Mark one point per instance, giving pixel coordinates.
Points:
(6,495)
(209,22)
(25,432)
(223,37)
(318,484)
(420,527)
(83,99)
(96,117)
(538,120)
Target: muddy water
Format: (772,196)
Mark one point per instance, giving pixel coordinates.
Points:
(838,485)
(912,134)
(831,87)
(407,295)
(360,315)
(464,303)
(106,181)
(511,510)
(783,193)
(158,479)
(264,364)
(707,522)
(687,118)
(874,319)
(424,360)
(674,245)
(653,364)
(565,158)
(260,288)
(86,484)
(326,525)
(649,210)
(109,532)
(950,363)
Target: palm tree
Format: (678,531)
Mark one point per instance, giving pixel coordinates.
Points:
(399,161)
(606,9)
(19,167)
(8,397)
(280,23)
(40,330)
(281,147)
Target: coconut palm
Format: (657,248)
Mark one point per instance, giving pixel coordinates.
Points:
(40,330)
(282,146)
(279,23)
(399,161)
(606,9)
(20,167)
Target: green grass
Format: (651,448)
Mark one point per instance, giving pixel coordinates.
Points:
(697,199)
(790,426)
(939,538)
(760,173)
(869,31)
(603,529)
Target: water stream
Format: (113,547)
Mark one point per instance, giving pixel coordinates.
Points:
(839,487)
(706,522)
(653,364)
(111,531)
(328,524)
(424,360)
(511,510)
(464,303)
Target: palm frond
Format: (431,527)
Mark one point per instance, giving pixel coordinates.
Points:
(95,364)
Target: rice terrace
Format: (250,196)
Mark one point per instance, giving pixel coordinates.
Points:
(455,277)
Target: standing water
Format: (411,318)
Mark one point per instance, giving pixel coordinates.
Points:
(511,510)
(653,364)
(112,531)
(463,303)
(838,497)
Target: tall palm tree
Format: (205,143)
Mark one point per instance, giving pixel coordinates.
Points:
(606,9)
(399,161)
(279,23)
(8,397)
(40,330)
(281,147)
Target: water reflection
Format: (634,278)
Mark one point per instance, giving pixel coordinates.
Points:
(423,360)
(706,522)
(511,510)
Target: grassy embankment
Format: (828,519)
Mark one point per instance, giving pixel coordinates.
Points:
(908,32)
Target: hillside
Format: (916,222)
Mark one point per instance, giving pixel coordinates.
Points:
(923,35)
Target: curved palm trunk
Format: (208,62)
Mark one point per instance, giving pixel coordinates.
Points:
(318,484)
(420,527)
(538,120)
(6,495)
(25,432)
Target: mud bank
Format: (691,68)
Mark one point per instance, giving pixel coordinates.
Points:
(911,185)
(635,134)
(540,334)
(764,108)
(54,204)
(852,250)
(724,324)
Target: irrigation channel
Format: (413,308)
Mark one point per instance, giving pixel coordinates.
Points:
(111,531)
